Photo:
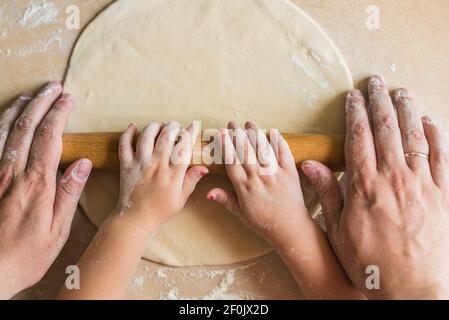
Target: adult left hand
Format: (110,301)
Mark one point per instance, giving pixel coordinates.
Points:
(36,210)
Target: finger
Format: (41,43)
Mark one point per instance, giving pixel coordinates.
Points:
(126,150)
(439,153)
(68,193)
(191,179)
(261,145)
(228,199)
(183,150)
(360,153)
(18,144)
(46,148)
(166,142)
(244,150)
(282,150)
(387,136)
(10,115)
(329,191)
(147,139)
(233,166)
(413,137)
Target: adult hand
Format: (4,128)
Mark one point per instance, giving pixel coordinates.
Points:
(395,213)
(35,210)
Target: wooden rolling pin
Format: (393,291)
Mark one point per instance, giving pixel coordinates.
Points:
(101,149)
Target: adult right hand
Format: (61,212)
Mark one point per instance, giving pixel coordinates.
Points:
(395,213)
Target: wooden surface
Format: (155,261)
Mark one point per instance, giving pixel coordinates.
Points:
(410,49)
(101,149)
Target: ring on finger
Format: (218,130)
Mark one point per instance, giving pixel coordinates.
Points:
(417,155)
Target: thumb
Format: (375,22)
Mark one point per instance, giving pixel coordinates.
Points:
(228,199)
(329,191)
(191,179)
(68,193)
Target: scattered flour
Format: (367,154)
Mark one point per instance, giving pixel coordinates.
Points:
(171,295)
(36,14)
(55,40)
(139,281)
(220,292)
(393,68)
(161,273)
(305,69)
(11,155)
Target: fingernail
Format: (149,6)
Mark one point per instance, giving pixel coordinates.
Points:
(307,163)
(204,172)
(401,94)
(353,94)
(377,81)
(49,89)
(308,167)
(26,96)
(274,131)
(211,197)
(65,97)
(82,171)
(428,121)
(354,99)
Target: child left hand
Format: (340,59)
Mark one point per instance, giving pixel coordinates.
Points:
(155,179)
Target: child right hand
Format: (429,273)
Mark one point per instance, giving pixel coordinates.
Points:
(272,205)
(267,204)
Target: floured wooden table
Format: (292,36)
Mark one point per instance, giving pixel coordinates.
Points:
(410,49)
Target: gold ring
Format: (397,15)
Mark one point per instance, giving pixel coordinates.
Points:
(417,155)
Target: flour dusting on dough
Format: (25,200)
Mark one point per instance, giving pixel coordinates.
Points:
(302,67)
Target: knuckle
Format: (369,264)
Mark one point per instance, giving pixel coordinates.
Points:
(4,126)
(38,181)
(359,129)
(385,123)
(24,123)
(6,175)
(70,188)
(362,182)
(415,135)
(46,131)
(398,181)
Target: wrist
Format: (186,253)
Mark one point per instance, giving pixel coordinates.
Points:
(10,284)
(421,292)
(285,235)
(144,221)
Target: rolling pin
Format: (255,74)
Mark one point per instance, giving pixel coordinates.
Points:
(102,150)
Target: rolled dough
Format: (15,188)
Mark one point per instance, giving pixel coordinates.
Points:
(207,60)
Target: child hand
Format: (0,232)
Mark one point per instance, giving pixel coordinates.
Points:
(269,203)
(155,179)
(155,183)
(269,200)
